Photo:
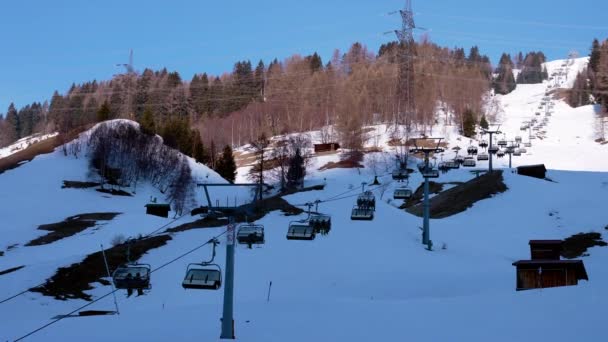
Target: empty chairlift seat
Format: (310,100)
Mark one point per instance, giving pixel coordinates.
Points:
(402,193)
(203,277)
(300,231)
(132,276)
(493,149)
(483,156)
(469,162)
(251,234)
(400,174)
(362,213)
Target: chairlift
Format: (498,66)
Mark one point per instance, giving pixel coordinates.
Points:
(430,173)
(404,193)
(459,159)
(483,144)
(361,214)
(523,150)
(320,223)
(203,276)
(469,162)
(500,153)
(367,200)
(251,234)
(528,144)
(400,174)
(483,156)
(502,143)
(517,139)
(300,231)
(517,152)
(132,276)
(452,164)
(493,150)
(472,150)
(537,113)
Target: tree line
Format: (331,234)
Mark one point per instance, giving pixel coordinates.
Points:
(354,88)
(591,84)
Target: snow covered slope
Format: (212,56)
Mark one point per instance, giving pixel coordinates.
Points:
(23,143)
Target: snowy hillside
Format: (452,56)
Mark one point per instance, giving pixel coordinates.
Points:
(23,143)
(364,281)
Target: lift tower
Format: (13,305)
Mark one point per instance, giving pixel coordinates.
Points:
(406,52)
(426,146)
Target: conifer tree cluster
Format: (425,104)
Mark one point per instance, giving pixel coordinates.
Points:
(504,82)
(532,69)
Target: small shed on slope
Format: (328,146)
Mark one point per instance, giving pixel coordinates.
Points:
(545,249)
(536,171)
(156,209)
(328,147)
(534,274)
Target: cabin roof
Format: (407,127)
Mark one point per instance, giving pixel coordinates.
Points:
(545,242)
(158,205)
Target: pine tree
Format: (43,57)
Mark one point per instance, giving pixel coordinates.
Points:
(296,171)
(104,112)
(504,82)
(199,153)
(468,126)
(146,123)
(594,57)
(315,62)
(226,166)
(483,123)
(12,121)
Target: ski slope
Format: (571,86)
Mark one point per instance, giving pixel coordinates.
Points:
(365,281)
(24,143)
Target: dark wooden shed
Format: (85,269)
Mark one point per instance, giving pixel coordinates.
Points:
(536,171)
(545,249)
(534,274)
(155,209)
(329,147)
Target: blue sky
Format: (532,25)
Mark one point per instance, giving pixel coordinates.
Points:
(47,45)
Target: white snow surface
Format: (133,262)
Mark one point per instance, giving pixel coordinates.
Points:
(364,281)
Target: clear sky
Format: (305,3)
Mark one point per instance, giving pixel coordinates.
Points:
(48,45)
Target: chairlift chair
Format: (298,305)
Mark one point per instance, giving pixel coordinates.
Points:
(203,276)
(523,150)
(469,162)
(362,214)
(320,223)
(251,234)
(459,159)
(483,156)
(132,276)
(502,143)
(300,231)
(500,153)
(367,200)
(400,174)
(517,152)
(483,144)
(528,144)
(430,173)
(452,164)
(493,150)
(517,139)
(402,193)
(472,150)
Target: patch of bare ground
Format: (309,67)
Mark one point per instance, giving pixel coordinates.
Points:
(42,147)
(577,245)
(463,196)
(78,185)
(349,161)
(71,282)
(11,270)
(70,226)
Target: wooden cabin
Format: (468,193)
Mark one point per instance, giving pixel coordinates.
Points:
(545,249)
(155,209)
(328,147)
(534,274)
(536,171)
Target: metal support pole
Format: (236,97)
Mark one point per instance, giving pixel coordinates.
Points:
(105,261)
(490,149)
(426,205)
(227,317)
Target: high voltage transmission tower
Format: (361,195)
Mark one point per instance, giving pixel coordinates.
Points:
(406,52)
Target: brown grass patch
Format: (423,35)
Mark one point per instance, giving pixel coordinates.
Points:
(349,161)
(70,226)
(78,185)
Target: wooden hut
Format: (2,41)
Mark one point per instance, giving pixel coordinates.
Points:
(534,274)
(545,249)
(536,171)
(328,147)
(155,209)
